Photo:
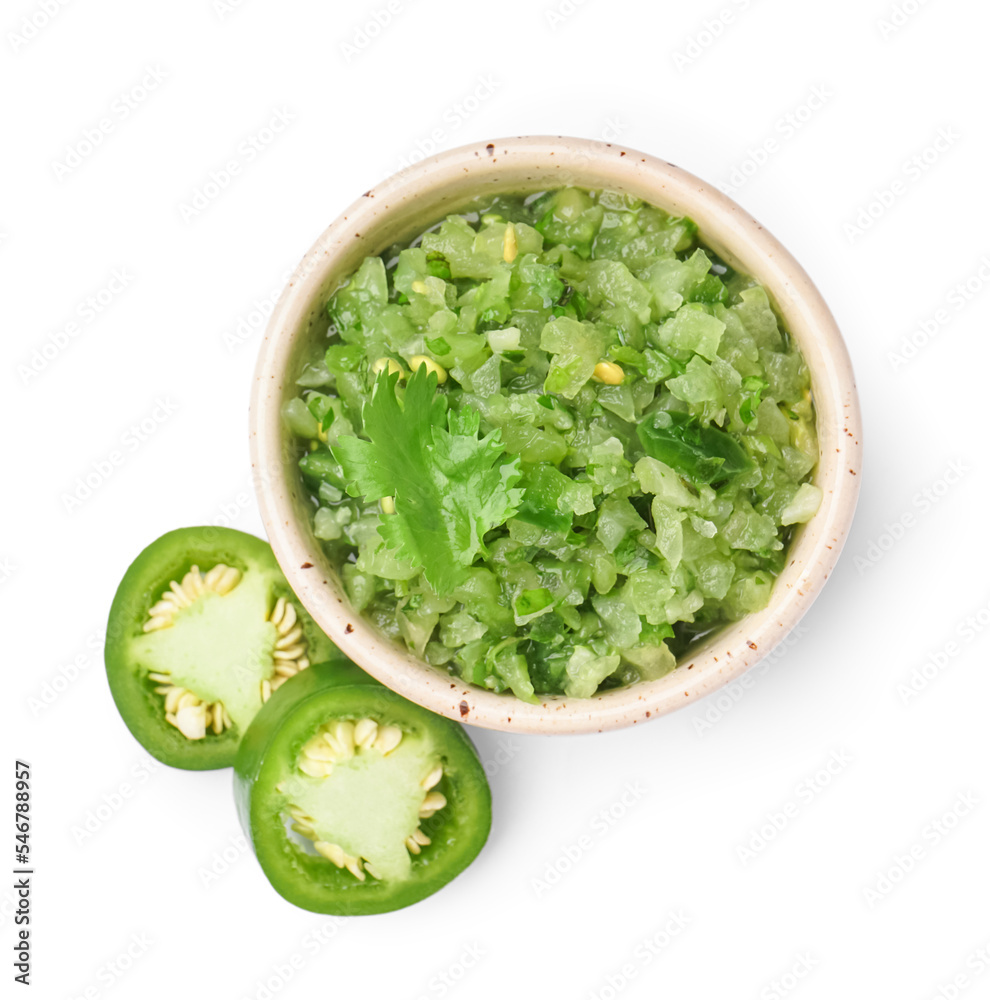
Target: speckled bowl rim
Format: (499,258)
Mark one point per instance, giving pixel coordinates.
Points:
(416,197)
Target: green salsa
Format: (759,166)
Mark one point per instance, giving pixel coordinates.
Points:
(553,440)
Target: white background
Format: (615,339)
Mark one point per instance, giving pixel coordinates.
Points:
(184,331)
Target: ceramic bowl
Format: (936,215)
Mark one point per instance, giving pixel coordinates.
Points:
(406,204)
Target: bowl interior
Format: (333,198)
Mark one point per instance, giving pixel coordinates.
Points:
(421,195)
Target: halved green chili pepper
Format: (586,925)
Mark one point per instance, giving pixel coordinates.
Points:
(202,629)
(355,800)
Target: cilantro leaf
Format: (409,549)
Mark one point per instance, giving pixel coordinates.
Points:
(449,485)
(752,394)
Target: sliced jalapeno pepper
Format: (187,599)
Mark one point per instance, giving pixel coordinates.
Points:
(355,800)
(202,629)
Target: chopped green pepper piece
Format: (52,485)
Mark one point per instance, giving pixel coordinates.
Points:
(700,454)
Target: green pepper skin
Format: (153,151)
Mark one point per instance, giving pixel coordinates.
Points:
(700,454)
(274,739)
(169,558)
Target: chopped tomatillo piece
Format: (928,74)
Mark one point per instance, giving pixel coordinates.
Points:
(355,800)
(203,628)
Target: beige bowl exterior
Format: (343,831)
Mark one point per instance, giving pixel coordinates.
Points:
(418,196)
